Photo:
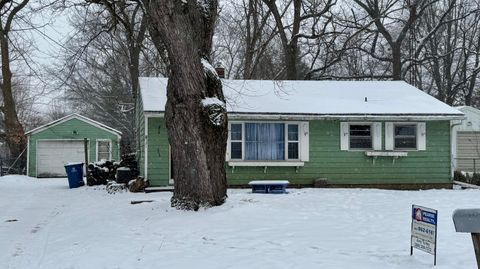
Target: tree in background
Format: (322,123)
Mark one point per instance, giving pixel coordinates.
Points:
(22,80)
(296,20)
(13,129)
(102,63)
(244,41)
(449,64)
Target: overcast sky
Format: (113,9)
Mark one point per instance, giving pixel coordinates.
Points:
(49,40)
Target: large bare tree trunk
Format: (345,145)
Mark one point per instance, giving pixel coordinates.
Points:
(14,132)
(198,141)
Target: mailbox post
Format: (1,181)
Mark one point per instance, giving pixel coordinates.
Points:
(468,221)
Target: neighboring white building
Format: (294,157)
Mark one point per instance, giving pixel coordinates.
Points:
(467,137)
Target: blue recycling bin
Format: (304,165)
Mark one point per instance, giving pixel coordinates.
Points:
(74,174)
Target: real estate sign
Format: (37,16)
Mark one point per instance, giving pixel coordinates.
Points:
(424,230)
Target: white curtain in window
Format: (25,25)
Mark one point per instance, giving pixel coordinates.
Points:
(264,141)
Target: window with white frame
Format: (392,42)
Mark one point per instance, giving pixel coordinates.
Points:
(293,141)
(360,136)
(103,150)
(236,141)
(265,141)
(405,136)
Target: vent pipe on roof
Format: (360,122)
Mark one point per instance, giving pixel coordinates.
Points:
(366,99)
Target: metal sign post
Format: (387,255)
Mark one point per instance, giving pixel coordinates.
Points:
(468,221)
(424,230)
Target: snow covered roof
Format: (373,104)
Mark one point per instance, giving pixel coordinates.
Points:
(472,119)
(74,116)
(315,98)
(466,109)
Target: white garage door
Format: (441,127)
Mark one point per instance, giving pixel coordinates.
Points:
(468,151)
(53,155)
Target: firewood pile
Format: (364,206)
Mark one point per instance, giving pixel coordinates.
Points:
(101,173)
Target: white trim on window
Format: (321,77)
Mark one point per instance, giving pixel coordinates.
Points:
(375,134)
(344,136)
(109,148)
(243,141)
(287,141)
(304,136)
(227,152)
(389,136)
(399,137)
(230,141)
(303,146)
(421,135)
(266,163)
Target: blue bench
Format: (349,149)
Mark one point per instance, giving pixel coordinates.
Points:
(269,186)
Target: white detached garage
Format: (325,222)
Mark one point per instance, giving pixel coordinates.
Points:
(467,137)
(57,143)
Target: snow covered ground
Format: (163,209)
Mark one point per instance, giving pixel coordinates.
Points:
(58,227)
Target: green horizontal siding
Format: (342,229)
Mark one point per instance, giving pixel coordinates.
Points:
(158,152)
(353,167)
(327,160)
(73,129)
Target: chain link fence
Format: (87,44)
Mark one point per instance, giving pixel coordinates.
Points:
(9,166)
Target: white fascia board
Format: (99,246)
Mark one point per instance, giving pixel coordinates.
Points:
(304,117)
(153,114)
(79,117)
(246,116)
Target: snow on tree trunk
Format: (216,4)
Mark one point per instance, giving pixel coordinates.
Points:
(197,127)
(215,110)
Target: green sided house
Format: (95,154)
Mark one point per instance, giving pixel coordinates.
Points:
(347,133)
(59,142)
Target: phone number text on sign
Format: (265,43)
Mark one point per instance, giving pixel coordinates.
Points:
(424,229)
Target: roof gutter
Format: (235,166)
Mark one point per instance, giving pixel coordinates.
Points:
(453,146)
(355,117)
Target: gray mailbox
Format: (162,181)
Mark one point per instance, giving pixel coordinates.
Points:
(468,221)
